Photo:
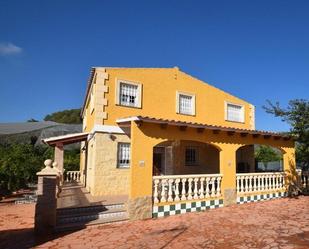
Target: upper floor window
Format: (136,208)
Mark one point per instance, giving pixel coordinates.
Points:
(128,94)
(185,103)
(123,155)
(234,112)
(191,155)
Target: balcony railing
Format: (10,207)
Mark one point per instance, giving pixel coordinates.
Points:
(174,188)
(259,182)
(72,176)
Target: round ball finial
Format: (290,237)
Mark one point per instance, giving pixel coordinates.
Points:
(55,164)
(48,163)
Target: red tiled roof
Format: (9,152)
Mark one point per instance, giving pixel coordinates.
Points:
(203,126)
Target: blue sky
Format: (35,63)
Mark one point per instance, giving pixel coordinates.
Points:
(256,50)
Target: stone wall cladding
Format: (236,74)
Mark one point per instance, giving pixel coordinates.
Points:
(230,197)
(260,197)
(185,207)
(108,178)
(140,208)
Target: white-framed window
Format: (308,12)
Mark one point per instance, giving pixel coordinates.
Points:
(234,112)
(185,103)
(191,156)
(123,155)
(128,93)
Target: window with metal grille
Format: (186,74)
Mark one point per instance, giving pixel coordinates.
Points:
(185,104)
(234,113)
(123,155)
(191,156)
(128,94)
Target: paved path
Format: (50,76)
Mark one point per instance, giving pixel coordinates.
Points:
(280,223)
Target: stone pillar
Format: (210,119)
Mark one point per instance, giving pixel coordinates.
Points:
(58,157)
(228,170)
(45,208)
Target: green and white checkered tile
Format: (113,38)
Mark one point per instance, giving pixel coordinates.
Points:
(185,207)
(260,197)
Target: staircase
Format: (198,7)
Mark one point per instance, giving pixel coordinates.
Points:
(74,218)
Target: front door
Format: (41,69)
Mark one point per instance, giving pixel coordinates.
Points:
(158,161)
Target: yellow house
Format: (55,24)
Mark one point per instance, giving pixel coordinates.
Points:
(173,143)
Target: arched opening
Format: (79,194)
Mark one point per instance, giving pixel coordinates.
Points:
(185,157)
(259,158)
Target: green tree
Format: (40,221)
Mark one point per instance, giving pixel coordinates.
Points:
(19,164)
(296,114)
(66,116)
(266,154)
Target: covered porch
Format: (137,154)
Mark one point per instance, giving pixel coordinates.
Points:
(184,167)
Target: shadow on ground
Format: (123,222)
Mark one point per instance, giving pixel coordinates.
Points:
(26,238)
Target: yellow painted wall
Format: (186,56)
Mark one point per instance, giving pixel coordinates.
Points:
(208,158)
(159,88)
(90,115)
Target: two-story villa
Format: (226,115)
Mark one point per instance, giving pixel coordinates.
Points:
(172,143)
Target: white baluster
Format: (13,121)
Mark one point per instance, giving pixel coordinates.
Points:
(213,190)
(163,184)
(274,182)
(262,183)
(170,190)
(155,192)
(196,179)
(257,187)
(207,186)
(183,190)
(242,184)
(202,188)
(246,184)
(250,183)
(254,178)
(218,186)
(266,182)
(190,188)
(177,181)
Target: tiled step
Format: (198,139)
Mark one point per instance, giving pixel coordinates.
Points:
(80,225)
(77,218)
(89,209)
(89,216)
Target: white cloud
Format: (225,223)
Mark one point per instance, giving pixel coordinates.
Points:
(9,49)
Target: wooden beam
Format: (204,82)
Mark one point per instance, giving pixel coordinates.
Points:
(183,127)
(244,134)
(163,126)
(255,135)
(286,138)
(267,136)
(200,130)
(139,123)
(277,137)
(215,131)
(231,133)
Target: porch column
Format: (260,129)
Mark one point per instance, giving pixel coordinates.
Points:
(228,170)
(140,197)
(289,167)
(58,157)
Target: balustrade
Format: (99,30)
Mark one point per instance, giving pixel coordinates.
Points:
(186,187)
(259,182)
